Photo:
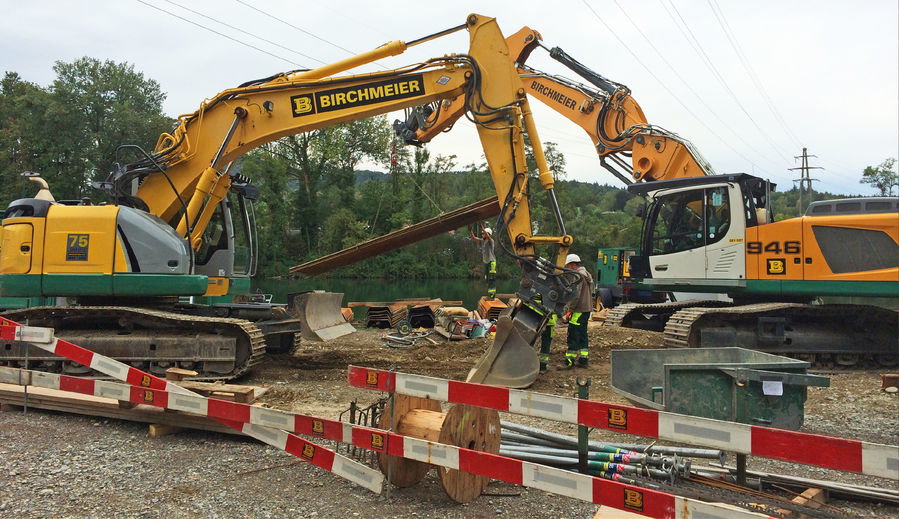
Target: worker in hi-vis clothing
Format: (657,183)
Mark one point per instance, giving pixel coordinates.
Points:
(489,257)
(546,341)
(578,313)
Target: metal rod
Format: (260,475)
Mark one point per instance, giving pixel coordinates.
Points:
(593,466)
(741,469)
(239,114)
(592,455)
(436,35)
(557,212)
(568,441)
(523,438)
(610,169)
(583,392)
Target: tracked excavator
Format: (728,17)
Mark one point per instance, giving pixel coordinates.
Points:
(717,234)
(169,231)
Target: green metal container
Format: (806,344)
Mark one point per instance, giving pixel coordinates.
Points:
(731,384)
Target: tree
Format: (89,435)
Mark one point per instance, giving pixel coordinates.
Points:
(882,177)
(23,138)
(94,108)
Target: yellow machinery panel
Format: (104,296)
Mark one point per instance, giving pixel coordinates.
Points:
(16,248)
(775,251)
(217,287)
(752,260)
(850,246)
(80,240)
(824,248)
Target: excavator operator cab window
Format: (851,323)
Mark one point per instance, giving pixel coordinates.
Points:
(717,211)
(214,237)
(689,219)
(244,223)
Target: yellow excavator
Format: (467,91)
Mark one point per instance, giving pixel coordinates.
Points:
(716,234)
(173,227)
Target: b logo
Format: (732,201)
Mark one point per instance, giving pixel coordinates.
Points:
(145,381)
(301,105)
(633,499)
(318,428)
(617,418)
(148,396)
(777,267)
(372,378)
(377,441)
(308,451)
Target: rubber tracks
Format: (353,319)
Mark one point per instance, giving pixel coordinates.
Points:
(249,340)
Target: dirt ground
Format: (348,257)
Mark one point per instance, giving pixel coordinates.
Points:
(55,465)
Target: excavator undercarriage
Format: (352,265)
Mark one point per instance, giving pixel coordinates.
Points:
(149,339)
(825,335)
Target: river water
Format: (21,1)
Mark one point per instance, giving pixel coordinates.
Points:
(468,291)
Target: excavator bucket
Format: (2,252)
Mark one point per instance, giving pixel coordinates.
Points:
(320,314)
(511,361)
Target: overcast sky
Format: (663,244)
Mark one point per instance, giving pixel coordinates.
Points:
(829,69)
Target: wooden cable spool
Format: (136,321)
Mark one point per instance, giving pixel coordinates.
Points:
(464,426)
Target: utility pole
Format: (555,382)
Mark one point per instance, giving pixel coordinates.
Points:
(805,180)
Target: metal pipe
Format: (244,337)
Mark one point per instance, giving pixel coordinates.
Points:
(568,441)
(530,440)
(635,457)
(593,466)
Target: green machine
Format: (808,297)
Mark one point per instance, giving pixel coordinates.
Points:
(612,268)
(731,384)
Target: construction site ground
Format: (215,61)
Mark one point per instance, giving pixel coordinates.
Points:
(58,465)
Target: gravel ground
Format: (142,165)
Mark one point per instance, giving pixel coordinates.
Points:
(59,465)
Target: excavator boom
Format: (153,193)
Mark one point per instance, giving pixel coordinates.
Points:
(164,239)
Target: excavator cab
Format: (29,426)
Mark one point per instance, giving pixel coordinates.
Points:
(695,228)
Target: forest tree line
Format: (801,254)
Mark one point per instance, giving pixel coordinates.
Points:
(318,193)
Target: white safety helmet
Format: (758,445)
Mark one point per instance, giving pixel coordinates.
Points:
(572,258)
(489,231)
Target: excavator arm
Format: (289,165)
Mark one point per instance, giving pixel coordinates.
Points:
(605,110)
(144,244)
(186,176)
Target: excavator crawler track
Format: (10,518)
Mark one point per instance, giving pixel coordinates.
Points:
(154,340)
(652,316)
(826,335)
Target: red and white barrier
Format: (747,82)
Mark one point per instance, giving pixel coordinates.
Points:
(811,449)
(143,386)
(266,425)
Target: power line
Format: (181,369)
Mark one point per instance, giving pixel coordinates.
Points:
(244,32)
(223,35)
(722,21)
(708,61)
(664,86)
(690,88)
(304,31)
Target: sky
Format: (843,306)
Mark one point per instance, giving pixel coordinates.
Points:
(748,83)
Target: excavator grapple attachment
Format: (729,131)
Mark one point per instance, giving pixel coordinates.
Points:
(320,314)
(511,361)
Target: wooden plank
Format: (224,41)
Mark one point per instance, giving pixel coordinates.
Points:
(158,429)
(232,392)
(75,403)
(812,498)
